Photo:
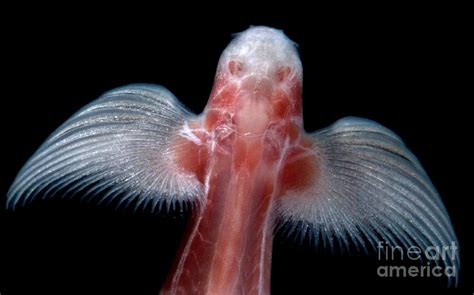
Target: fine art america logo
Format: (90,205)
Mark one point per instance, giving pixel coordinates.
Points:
(436,258)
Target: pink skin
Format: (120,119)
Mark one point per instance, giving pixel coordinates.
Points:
(252,147)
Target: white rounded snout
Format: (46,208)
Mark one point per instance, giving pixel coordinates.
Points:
(263,53)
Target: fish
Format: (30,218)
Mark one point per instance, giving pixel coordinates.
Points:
(246,166)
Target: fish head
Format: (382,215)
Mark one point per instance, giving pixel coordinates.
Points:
(258,80)
(261,59)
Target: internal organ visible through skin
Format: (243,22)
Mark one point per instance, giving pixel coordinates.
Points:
(251,147)
(245,163)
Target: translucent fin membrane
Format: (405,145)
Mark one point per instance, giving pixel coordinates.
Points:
(371,188)
(118,146)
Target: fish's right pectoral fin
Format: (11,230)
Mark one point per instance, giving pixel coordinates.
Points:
(367,188)
(124,146)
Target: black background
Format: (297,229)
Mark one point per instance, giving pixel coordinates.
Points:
(402,68)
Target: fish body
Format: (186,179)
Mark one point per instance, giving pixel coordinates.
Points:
(247,165)
(250,133)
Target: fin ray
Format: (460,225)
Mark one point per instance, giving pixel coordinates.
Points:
(370,187)
(118,144)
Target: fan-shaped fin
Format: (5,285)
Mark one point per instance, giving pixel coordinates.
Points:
(369,186)
(122,145)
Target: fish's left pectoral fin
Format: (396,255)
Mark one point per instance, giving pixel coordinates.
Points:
(367,188)
(123,146)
